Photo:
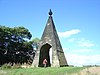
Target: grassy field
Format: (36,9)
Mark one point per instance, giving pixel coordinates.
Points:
(41,71)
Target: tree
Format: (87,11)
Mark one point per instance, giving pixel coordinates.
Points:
(12,44)
(34,42)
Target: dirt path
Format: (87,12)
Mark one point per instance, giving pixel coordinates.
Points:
(89,71)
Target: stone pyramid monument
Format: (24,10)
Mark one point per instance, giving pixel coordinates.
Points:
(50,47)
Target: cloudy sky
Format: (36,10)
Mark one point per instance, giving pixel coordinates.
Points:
(77,23)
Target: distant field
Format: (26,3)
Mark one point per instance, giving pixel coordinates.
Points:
(42,71)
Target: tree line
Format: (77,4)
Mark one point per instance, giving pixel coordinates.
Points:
(13,45)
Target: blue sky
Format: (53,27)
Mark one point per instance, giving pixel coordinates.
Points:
(77,23)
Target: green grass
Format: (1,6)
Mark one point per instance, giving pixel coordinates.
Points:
(41,71)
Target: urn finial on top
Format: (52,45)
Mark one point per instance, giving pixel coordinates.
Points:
(50,12)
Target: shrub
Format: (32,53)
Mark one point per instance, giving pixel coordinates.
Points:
(6,66)
(16,66)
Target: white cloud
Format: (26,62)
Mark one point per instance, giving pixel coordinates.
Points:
(83,50)
(85,43)
(71,40)
(65,49)
(81,42)
(68,33)
(80,60)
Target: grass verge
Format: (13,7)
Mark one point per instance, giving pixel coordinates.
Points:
(41,71)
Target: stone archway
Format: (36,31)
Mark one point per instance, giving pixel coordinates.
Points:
(44,54)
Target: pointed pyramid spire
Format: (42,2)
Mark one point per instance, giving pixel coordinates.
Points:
(50,27)
(50,42)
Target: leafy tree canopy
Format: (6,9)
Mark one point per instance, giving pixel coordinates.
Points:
(13,45)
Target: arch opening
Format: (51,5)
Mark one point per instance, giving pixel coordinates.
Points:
(44,54)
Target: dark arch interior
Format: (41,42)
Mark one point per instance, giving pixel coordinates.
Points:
(44,54)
